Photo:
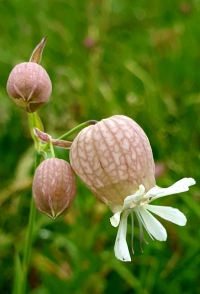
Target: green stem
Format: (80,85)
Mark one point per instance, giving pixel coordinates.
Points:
(31,120)
(28,246)
(34,121)
(78,128)
(52,150)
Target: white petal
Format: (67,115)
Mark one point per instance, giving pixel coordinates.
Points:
(121,247)
(171,214)
(154,192)
(115,219)
(134,198)
(179,187)
(152,225)
(185,181)
(127,201)
(139,194)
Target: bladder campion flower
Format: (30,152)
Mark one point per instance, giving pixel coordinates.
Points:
(29,86)
(114,160)
(54,187)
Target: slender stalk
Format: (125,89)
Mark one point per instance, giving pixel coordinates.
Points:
(33,122)
(78,128)
(52,150)
(28,246)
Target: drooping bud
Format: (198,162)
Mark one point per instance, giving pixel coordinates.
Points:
(54,187)
(29,86)
(112,158)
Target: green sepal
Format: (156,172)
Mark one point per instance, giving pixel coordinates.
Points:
(37,52)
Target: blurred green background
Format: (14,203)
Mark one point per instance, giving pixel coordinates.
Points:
(104,57)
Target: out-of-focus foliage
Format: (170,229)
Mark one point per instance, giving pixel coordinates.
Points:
(104,57)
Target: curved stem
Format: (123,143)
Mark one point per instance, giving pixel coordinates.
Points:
(78,128)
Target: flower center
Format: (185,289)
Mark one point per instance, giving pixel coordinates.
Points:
(136,199)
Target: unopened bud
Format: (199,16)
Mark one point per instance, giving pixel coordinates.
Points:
(29,86)
(54,187)
(112,158)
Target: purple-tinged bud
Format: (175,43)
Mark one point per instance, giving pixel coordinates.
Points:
(29,86)
(112,158)
(54,187)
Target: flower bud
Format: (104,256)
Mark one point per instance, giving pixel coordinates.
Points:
(112,158)
(29,86)
(54,186)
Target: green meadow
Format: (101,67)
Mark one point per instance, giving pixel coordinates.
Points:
(104,57)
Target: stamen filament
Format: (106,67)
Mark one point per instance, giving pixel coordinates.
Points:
(132,231)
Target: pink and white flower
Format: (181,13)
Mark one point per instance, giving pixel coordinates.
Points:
(114,160)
